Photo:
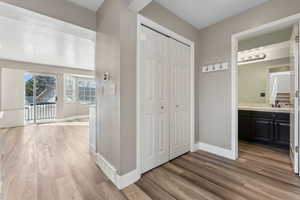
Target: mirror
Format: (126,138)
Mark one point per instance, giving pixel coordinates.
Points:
(264,84)
(279,87)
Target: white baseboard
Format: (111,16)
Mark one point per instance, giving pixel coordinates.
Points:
(127,179)
(71,118)
(226,153)
(121,181)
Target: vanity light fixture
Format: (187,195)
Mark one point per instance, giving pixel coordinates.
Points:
(256,57)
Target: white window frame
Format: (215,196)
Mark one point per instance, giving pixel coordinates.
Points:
(78,96)
(66,98)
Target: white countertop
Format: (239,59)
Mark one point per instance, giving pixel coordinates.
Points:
(264,108)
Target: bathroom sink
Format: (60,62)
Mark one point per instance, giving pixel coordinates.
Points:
(264,108)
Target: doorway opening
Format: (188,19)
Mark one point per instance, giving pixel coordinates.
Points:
(40,98)
(265,92)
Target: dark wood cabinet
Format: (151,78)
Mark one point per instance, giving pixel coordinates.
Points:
(265,127)
(244,125)
(262,130)
(282,133)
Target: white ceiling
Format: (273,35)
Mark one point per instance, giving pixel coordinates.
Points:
(202,13)
(90,4)
(35,19)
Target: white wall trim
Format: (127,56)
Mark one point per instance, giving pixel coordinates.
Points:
(127,179)
(215,150)
(160,28)
(266,28)
(106,167)
(138,5)
(121,181)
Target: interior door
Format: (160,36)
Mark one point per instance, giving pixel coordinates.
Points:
(40,97)
(154,90)
(294,116)
(180,55)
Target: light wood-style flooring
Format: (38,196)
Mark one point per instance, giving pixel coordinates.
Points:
(260,173)
(52,162)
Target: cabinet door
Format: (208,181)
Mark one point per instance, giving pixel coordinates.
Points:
(244,125)
(282,133)
(262,130)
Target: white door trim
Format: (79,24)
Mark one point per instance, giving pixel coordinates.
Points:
(275,25)
(154,25)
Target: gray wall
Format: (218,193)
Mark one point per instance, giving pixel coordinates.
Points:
(108,60)
(116,54)
(128,40)
(266,39)
(215,88)
(60,9)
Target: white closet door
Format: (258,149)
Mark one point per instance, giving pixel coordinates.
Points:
(180,58)
(154,90)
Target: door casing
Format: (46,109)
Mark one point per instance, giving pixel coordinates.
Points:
(263,29)
(142,20)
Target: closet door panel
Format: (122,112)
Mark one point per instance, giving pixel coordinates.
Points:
(154,100)
(180,99)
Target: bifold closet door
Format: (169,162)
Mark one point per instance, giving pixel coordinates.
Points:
(180,62)
(154,99)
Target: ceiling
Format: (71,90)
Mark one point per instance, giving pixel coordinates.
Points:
(31,18)
(90,4)
(202,13)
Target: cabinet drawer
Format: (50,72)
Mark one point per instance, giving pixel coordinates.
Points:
(265,115)
(283,116)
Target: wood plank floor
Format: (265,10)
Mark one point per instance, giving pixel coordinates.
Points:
(259,174)
(52,162)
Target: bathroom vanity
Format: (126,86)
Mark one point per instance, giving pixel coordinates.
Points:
(266,125)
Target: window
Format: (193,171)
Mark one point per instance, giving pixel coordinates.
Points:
(70,84)
(86,91)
